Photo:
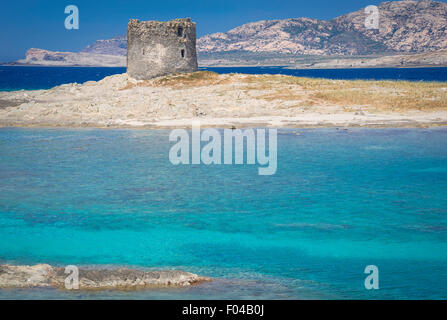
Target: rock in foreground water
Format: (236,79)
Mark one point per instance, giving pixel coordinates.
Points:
(44,275)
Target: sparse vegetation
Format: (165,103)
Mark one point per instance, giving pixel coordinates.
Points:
(181,80)
(196,79)
(392,96)
(261,100)
(373,96)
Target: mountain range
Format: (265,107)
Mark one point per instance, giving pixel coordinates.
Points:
(115,46)
(405,27)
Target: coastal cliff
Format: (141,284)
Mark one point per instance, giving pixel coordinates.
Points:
(56,58)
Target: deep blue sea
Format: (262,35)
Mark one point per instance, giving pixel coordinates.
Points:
(32,78)
(340,200)
(410,74)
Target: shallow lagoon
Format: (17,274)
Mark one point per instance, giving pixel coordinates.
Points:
(340,200)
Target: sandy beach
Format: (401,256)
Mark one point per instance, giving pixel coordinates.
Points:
(228,100)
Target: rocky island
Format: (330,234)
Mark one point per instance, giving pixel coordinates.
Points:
(227,100)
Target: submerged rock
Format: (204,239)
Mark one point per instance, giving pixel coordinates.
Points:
(44,275)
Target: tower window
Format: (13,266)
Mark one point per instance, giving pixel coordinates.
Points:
(180,31)
(183,53)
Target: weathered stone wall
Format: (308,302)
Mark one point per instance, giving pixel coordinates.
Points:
(160,48)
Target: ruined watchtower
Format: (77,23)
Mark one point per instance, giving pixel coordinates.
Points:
(160,48)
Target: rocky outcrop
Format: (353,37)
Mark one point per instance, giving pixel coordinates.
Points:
(55,58)
(404,26)
(44,275)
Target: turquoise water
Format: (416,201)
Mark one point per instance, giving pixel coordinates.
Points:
(340,200)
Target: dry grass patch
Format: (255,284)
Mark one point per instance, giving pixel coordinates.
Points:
(380,96)
(387,96)
(189,80)
(182,80)
(283,95)
(383,96)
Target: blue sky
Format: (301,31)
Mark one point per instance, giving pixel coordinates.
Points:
(40,23)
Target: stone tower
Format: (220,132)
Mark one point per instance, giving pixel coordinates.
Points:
(160,48)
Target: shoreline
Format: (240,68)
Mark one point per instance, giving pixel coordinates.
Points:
(58,66)
(366,67)
(401,125)
(283,66)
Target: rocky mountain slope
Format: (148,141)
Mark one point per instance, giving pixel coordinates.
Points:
(404,26)
(116,46)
